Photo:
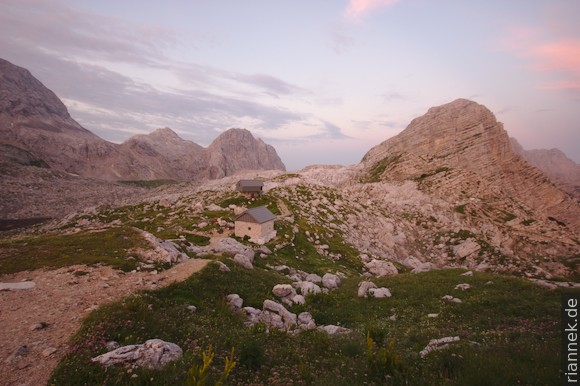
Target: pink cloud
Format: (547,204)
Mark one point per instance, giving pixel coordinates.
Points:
(356,9)
(562,55)
(556,59)
(564,85)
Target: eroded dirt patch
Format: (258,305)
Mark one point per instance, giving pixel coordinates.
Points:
(36,324)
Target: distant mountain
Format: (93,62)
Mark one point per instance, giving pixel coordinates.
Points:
(564,172)
(459,151)
(37,128)
(236,149)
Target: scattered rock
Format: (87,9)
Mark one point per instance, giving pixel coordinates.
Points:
(272,320)
(466,248)
(163,250)
(288,318)
(307,287)
(416,265)
(432,315)
(223,267)
(235,301)
(48,351)
(283,290)
(423,267)
(16,359)
(230,247)
(364,287)
(306,321)
(244,260)
(153,354)
(333,330)
(313,278)
(192,308)
(330,281)
(438,344)
(112,345)
(38,326)
(381,268)
(264,250)
(380,293)
(253,315)
(299,299)
(450,298)
(214,208)
(468,273)
(24,285)
(462,286)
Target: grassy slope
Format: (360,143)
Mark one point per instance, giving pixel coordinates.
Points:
(513,323)
(52,251)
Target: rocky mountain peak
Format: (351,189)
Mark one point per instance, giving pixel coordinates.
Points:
(165,133)
(452,135)
(237,149)
(235,132)
(459,150)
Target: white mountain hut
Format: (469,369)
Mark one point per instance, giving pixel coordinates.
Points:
(256,223)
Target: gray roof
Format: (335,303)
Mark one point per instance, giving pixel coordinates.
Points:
(249,183)
(260,214)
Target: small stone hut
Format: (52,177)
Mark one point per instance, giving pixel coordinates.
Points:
(250,188)
(257,223)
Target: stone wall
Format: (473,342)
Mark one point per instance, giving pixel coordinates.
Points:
(253,230)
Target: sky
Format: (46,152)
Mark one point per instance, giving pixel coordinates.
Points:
(322,81)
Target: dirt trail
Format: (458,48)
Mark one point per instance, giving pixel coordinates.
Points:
(285,212)
(61,299)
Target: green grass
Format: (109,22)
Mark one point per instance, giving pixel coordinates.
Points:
(148,184)
(513,323)
(424,176)
(109,247)
(380,167)
(460,209)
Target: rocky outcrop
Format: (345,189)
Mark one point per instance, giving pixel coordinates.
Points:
(564,172)
(153,354)
(459,150)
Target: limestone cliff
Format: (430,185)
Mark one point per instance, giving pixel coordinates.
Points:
(460,151)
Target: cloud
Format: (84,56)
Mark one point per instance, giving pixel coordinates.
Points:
(392,96)
(54,28)
(557,59)
(90,60)
(357,9)
(504,110)
(340,41)
(272,86)
(333,132)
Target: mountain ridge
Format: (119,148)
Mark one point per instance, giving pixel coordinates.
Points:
(34,120)
(563,171)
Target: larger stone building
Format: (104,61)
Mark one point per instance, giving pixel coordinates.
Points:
(250,188)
